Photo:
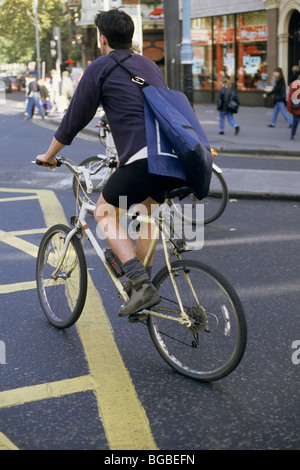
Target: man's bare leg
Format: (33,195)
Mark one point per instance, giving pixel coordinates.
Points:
(107,218)
(145,233)
(143,295)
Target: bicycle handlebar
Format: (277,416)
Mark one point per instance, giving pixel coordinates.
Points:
(59,162)
(38,162)
(78,170)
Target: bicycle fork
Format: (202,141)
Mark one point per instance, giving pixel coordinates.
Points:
(54,275)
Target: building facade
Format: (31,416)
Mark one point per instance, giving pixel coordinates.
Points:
(244,41)
(149,27)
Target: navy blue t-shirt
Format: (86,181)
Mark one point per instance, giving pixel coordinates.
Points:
(121,98)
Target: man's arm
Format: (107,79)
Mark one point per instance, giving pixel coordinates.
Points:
(48,158)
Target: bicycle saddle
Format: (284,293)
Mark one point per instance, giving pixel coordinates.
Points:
(179,192)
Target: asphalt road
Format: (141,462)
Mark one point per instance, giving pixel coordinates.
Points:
(102,385)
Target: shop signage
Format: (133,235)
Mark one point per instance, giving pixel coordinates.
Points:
(244,34)
(253,33)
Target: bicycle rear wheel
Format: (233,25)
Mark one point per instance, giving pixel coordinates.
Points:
(214,204)
(62,296)
(216,201)
(215,343)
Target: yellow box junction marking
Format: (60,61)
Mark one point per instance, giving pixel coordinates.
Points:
(123,416)
(6,444)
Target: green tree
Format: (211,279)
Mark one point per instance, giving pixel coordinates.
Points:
(17,28)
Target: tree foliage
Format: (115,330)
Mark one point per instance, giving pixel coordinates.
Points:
(18,31)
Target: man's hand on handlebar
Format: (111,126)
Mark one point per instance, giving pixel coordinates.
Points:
(46,161)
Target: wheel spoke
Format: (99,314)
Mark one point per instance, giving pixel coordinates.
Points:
(215,342)
(62,296)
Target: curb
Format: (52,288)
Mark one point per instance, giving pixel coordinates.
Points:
(286,153)
(235,193)
(224,150)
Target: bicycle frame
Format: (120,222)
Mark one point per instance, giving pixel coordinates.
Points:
(83,229)
(62,279)
(215,203)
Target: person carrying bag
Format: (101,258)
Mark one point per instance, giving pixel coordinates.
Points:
(170,121)
(227,105)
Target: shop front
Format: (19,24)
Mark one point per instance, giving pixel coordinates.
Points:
(232,46)
(245,41)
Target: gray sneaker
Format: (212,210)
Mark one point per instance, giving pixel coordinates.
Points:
(143,295)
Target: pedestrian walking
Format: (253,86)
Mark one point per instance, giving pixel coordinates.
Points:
(67,86)
(34,99)
(295,73)
(279,92)
(293,104)
(66,92)
(28,80)
(45,98)
(227,105)
(54,90)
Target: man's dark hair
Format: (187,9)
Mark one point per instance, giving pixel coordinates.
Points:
(117,27)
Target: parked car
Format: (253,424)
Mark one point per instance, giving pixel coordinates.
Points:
(7,82)
(15,84)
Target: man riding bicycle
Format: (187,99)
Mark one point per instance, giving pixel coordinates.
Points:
(107,83)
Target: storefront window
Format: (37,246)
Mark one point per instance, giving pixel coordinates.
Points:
(224,41)
(232,46)
(201,33)
(252,35)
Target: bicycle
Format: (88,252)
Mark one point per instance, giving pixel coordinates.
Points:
(199,327)
(102,167)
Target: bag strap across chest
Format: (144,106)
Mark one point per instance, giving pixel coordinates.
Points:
(119,63)
(140,81)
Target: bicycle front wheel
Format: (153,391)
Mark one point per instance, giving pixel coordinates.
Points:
(214,344)
(62,295)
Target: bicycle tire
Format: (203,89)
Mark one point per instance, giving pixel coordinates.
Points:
(213,194)
(214,204)
(219,325)
(62,299)
(98,180)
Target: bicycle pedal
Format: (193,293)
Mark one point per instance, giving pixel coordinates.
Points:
(181,246)
(137,317)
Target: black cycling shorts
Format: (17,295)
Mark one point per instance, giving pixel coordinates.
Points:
(137,184)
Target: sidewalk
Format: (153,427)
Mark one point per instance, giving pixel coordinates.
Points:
(255,138)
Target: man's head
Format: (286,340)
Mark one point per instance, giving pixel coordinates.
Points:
(116,27)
